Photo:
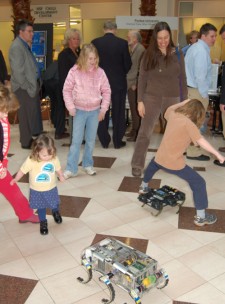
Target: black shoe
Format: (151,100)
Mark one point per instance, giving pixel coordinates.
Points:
(132,139)
(29,146)
(61,136)
(201,157)
(216,162)
(121,145)
(44,227)
(57,217)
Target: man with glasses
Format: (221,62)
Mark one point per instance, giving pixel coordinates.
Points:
(25,82)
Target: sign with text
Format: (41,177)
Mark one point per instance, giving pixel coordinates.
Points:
(50,13)
(144,22)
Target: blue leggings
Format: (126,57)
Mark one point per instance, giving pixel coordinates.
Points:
(42,213)
(195,181)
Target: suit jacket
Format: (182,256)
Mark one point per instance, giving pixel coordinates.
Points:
(24,71)
(132,76)
(3,69)
(222,96)
(66,61)
(114,59)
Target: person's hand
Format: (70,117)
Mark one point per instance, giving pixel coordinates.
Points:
(101,116)
(3,173)
(217,61)
(221,158)
(222,108)
(133,87)
(62,178)
(13,181)
(141,109)
(72,112)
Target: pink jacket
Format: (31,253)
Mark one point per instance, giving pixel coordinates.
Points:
(86,91)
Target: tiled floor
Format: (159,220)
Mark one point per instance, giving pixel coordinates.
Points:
(38,269)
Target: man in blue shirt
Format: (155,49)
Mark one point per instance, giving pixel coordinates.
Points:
(199,75)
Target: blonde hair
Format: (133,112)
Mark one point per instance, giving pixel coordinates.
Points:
(8,101)
(69,34)
(43,142)
(194,110)
(83,57)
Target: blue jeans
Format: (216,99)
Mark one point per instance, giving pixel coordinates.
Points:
(85,125)
(195,181)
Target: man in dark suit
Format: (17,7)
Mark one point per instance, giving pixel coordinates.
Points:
(25,82)
(116,62)
(3,70)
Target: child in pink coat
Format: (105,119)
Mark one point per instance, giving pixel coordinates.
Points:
(18,201)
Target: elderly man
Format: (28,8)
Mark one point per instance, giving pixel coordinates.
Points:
(25,80)
(116,62)
(136,51)
(199,75)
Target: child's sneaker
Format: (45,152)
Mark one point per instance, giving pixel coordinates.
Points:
(143,189)
(90,171)
(68,174)
(208,220)
(32,219)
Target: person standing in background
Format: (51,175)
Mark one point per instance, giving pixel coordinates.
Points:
(3,70)
(116,62)
(198,68)
(66,60)
(136,51)
(25,82)
(161,83)
(192,38)
(222,96)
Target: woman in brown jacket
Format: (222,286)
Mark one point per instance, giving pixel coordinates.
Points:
(161,83)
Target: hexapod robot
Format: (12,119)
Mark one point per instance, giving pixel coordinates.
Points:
(164,196)
(128,268)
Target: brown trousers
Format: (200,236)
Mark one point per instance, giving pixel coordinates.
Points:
(155,106)
(136,119)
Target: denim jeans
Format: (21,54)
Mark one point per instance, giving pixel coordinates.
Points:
(195,181)
(85,124)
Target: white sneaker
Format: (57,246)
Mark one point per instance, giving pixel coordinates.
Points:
(90,171)
(68,174)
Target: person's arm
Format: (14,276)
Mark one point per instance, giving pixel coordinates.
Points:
(201,72)
(60,175)
(18,176)
(202,142)
(183,77)
(68,92)
(142,82)
(106,96)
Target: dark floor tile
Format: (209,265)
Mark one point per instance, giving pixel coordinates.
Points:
(152,150)
(139,244)
(199,168)
(14,290)
(24,179)
(102,162)
(131,184)
(72,206)
(178,302)
(186,220)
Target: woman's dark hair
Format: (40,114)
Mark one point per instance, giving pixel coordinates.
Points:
(152,54)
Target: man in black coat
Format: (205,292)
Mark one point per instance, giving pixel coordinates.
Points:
(116,62)
(3,70)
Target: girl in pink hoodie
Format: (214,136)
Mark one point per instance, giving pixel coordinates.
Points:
(87,96)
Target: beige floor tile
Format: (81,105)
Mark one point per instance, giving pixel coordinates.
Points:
(9,251)
(18,268)
(51,261)
(39,295)
(204,262)
(176,243)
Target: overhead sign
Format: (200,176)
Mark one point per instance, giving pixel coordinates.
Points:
(50,13)
(144,22)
